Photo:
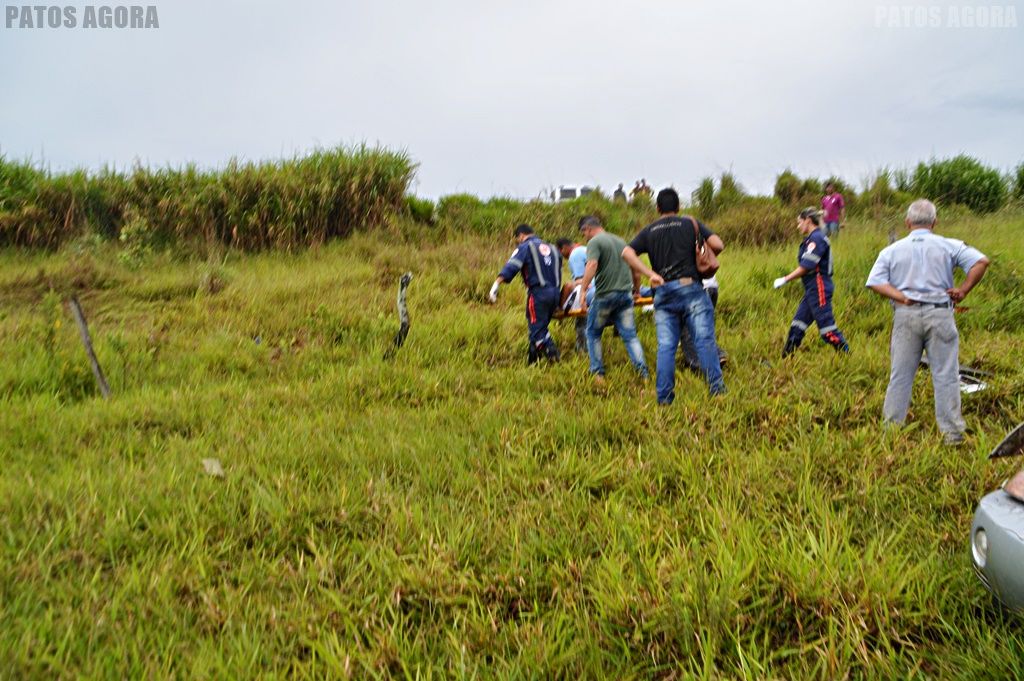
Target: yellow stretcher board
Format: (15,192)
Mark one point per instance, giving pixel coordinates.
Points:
(637,300)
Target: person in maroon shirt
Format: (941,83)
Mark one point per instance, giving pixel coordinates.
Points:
(834,207)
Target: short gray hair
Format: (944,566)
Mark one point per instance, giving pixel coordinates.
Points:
(922,213)
(589,221)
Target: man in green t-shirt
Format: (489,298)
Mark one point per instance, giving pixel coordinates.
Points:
(613,296)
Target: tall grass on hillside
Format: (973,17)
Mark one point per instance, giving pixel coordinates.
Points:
(40,210)
(741,220)
(959,181)
(1017,180)
(453,514)
(465,214)
(794,192)
(248,205)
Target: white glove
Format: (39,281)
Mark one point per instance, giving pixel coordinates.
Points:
(493,295)
(779,283)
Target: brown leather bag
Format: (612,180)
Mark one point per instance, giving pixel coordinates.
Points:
(707,261)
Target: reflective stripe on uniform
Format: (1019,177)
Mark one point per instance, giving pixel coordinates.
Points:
(812,257)
(799,325)
(536,263)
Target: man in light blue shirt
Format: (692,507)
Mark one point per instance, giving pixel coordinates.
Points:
(916,273)
(576,256)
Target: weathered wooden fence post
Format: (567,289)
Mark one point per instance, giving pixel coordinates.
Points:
(83,330)
(403,316)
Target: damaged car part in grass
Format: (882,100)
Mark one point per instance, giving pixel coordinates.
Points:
(997,533)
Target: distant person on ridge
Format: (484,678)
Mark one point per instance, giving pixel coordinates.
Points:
(679,296)
(620,194)
(636,191)
(613,296)
(835,210)
(814,269)
(541,269)
(916,273)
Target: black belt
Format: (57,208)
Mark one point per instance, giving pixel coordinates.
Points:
(942,306)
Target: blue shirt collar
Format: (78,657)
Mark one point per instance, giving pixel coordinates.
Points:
(920,230)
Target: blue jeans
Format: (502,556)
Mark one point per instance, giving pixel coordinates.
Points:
(831,229)
(674,306)
(614,308)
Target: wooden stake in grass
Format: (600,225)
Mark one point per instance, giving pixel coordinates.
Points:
(403,316)
(83,330)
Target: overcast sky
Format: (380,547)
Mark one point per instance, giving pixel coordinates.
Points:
(497,97)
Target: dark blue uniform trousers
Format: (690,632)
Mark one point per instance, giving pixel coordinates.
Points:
(816,307)
(541,303)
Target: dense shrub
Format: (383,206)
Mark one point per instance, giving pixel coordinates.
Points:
(703,197)
(457,207)
(903,180)
(961,179)
(811,191)
(709,200)
(755,221)
(1018,182)
(420,210)
(730,192)
(787,187)
(790,190)
(879,192)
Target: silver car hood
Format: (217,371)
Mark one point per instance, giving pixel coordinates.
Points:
(1002,518)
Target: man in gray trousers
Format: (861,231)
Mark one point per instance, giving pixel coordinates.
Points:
(916,273)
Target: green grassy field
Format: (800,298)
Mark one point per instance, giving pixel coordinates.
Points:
(452,513)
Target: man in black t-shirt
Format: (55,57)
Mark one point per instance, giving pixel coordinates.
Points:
(679,297)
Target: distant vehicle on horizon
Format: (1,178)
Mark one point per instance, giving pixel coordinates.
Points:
(569,192)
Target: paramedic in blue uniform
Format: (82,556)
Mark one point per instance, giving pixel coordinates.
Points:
(815,271)
(541,269)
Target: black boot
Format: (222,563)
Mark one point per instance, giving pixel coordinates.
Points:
(791,345)
(551,351)
(532,355)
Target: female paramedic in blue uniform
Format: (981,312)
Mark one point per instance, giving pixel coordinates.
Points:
(814,269)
